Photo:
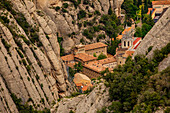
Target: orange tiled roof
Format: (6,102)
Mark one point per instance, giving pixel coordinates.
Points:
(69,57)
(109,55)
(119,37)
(95,45)
(71,65)
(127,30)
(95,66)
(84,88)
(85,57)
(79,84)
(162,2)
(129,53)
(107,60)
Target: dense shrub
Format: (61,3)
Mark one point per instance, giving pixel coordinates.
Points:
(101,56)
(57,8)
(139,79)
(81,14)
(65,5)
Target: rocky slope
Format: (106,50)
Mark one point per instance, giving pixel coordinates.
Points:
(30,63)
(89,103)
(157,37)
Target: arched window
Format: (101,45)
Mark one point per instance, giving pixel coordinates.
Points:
(124,43)
(128,43)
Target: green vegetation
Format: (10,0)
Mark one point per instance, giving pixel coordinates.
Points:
(78,67)
(57,8)
(111,25)
(81,14)
(65,5)
(60,39)
(25,108)
(101,56)
(7,46)
(150,48)
(137,86)
(112,48)
(142,32)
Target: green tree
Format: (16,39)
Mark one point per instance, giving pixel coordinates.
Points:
(78,67)
(145,6)
(101,56)
(71,72)
(145,29)
(138,32)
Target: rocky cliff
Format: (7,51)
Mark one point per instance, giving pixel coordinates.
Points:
(157,38)
(31,69)
(30,65)
(87,103)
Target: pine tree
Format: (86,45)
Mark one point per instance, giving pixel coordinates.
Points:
(134,2)
(145,6)
(139,3)
(142,13)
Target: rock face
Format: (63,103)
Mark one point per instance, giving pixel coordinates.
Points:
(30,63)
(97,99)
(158,36)
(67,20)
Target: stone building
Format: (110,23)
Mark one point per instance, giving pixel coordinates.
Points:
(93,69)
(160,5)
(126,41)
(84,58)
(108,62)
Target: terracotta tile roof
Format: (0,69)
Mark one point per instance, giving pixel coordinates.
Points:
(95,45)
(84,88)
(107,60)
(69,57)
(119,37)
(95,66)
(71,65)
(162,2)
(129,53)
(109,55)
(136,40)
(127,30)
(122,49)
(85,57)
(79,84)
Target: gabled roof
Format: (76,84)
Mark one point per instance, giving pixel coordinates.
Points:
(161,2)
(107,60)
(69,57)
(94,46)
(85,57)
(119,37)
(127,30)
(95,66)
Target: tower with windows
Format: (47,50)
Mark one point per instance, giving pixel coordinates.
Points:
(127,40)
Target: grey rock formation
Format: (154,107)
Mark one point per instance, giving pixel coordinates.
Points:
(31,67)
(157,37)
(164,64)
(97,99)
